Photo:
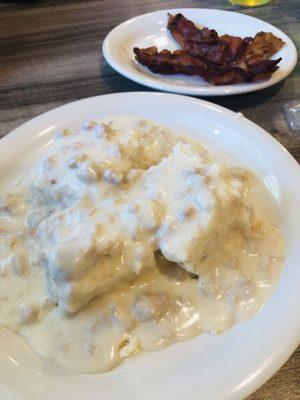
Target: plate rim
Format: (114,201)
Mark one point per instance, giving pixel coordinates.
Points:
(288,347)
(211,90)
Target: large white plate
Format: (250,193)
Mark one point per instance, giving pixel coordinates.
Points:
(151,30)
(229,366)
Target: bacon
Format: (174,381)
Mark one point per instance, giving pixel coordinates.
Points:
(263,46)
(182,29)
(206,42)
(236,46)
(167,63)
(221,60)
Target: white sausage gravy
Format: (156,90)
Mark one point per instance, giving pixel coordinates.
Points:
(125,237)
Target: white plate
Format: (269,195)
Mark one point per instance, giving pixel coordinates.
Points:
(151,30)
(228,366)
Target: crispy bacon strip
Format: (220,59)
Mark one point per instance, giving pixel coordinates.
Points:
(236,46)
(236,74)
(168,63)
(206,42)
(263,46)
(183,29)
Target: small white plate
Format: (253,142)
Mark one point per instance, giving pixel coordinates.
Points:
(228,366)
(151,30)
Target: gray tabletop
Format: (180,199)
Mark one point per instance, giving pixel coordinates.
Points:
(50,54)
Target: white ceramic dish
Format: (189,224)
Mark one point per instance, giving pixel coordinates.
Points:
(228,366)
(151,30)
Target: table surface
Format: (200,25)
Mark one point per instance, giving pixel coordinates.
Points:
(50,55)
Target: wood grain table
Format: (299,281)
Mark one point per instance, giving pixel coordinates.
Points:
(50,54)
